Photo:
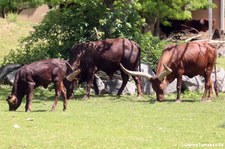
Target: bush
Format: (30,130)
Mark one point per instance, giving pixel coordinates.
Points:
(85,21)
(12,17)
(152,48)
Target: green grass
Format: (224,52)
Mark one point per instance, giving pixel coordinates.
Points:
(10,35)
(221,62)
(112,122)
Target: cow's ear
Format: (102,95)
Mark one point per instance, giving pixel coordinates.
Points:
(202,21)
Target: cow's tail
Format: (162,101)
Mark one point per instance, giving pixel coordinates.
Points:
(139,59)
(216,87)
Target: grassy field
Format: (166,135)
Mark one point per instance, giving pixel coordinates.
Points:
(10,34)
(221,62)
(113,122)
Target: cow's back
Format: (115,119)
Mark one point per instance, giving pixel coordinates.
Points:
(192,58)
(43,72)
(105,55)
(111,52)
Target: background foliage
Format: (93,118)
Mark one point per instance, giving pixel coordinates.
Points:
(74,21)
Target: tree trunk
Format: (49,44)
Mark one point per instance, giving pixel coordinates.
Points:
(3,13)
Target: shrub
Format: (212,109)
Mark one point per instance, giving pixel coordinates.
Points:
(12,17)
(85,21)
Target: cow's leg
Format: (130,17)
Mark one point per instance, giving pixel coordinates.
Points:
(208,83)
(30,93)
(138,83)
(63,91)
(125,78)
(210,97)
(57,93)
(90,79)
(205,92)
(179,85)
(88,87)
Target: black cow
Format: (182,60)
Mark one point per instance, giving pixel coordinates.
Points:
(193,26)
(105,55)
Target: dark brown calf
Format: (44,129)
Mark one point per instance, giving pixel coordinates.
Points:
(40,73)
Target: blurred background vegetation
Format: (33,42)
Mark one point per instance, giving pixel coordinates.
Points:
(73,21)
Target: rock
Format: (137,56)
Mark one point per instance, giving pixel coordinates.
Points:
(7,73)
(99,82)
(191,84)
(220,48)
(10,77)
(4,70)
(220,79)
(112,87)
(146,85)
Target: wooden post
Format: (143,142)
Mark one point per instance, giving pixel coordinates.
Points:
(210,19)
(222,16)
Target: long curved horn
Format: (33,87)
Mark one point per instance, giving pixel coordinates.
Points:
(161,76)
(165,72)
(73,75)
(136,73)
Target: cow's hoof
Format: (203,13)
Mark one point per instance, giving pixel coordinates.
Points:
(140,95)
(209,100)
(159,100)
(203,100)
(178,101)
(85,97)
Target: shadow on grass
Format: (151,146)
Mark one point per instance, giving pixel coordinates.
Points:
(23,111)
(222,126)
(183,100)
(145,98)
(41,111)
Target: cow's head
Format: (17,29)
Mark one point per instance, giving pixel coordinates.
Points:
(204,24)
(12,102)
(157,81)
(159,87)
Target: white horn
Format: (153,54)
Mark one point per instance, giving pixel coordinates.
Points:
(165,73)
(73,75)
(136,73)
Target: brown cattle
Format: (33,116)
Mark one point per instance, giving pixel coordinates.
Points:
(191,59)
(193,26)
(105,55)
(40,73)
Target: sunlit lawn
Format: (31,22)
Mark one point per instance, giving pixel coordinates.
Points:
(10,35)
(113,122)
(221,62)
